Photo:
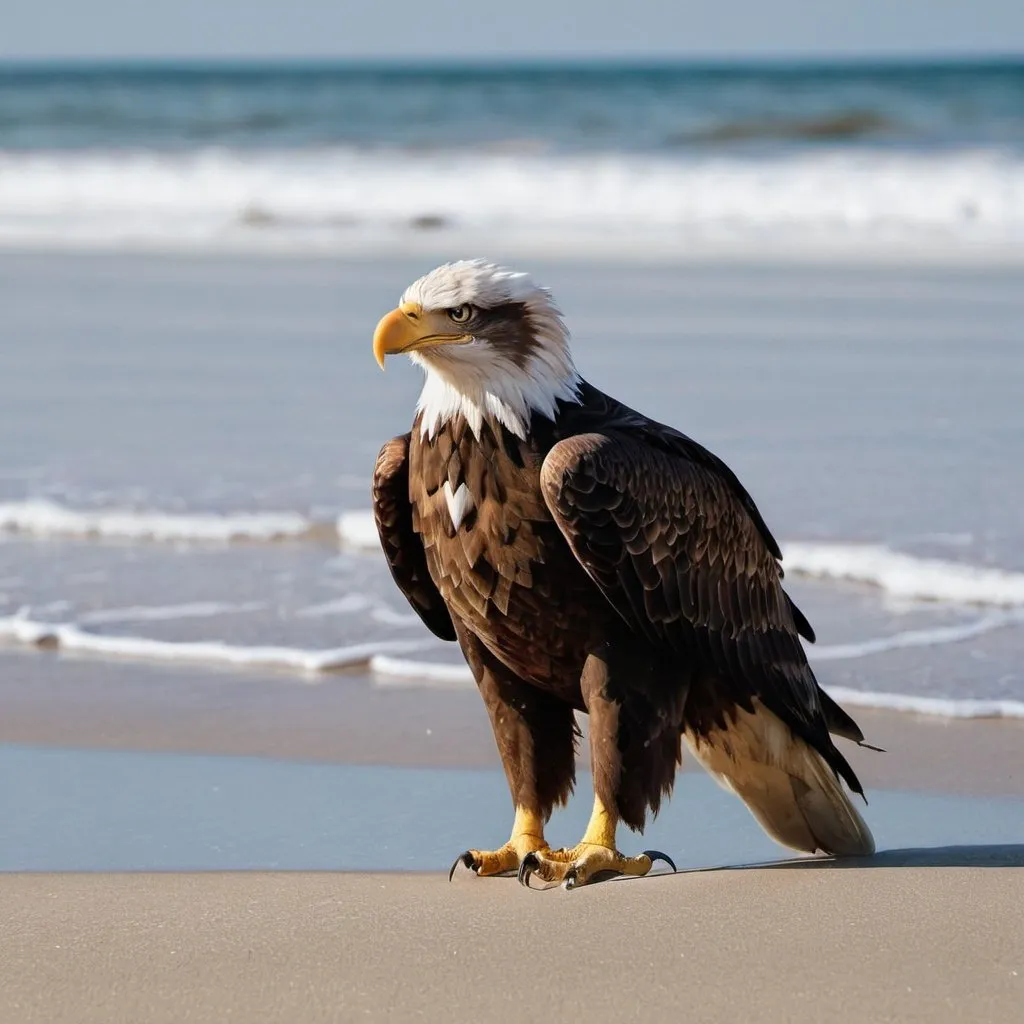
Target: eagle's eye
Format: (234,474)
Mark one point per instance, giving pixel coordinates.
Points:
(460,314)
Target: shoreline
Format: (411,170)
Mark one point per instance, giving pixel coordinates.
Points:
(348,719)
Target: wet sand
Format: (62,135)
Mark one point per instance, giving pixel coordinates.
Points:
(351,719)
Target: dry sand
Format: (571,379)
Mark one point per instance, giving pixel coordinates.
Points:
(914,943)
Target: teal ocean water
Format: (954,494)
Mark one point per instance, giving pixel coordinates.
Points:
(549,157)
(581,107)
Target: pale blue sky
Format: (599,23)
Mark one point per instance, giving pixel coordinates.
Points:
(425,30)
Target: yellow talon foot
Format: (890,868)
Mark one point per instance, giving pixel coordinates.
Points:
(585,863)
(502,861)
(527,837)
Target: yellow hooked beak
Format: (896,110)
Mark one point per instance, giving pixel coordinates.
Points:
(410,328)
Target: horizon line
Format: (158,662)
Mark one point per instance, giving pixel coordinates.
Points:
(519,62)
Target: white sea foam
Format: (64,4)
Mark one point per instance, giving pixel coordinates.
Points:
(933,637)
(389,617)
(357,529)
(899,575)
(939,707)
(347,605)
(42,518)
(166,613)
(906,576)
(391,671)
(356,199)
(403,672)
(379,658)
(69,637)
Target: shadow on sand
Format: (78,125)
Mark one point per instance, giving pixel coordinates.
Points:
(995,855)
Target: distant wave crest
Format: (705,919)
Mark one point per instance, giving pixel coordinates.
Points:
(358,199)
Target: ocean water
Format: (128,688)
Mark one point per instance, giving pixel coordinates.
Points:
(664,160)
(186,445)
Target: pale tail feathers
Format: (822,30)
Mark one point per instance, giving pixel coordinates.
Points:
(786,785)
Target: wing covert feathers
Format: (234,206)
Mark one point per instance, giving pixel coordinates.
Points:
(672,544)
(402,546)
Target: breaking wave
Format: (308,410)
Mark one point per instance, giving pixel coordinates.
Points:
(42,518)
(934,637)
(997,594)
(352,199)
(897,574)
(907,576)
(939,707)
(358,530)
(22,630)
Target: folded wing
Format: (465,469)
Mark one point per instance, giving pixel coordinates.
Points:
(402,546)
(676,546)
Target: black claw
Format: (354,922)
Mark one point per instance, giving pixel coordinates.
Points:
(658,855)
(529,864)
(570,879)
(466,859)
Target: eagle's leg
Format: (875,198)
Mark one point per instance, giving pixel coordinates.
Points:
(536,738)
(594,855)
(618,767)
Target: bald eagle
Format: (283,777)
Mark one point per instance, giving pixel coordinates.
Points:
(588,559)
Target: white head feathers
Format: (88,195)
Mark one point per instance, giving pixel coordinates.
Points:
(514,367)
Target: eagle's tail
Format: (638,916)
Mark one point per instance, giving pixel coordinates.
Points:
(788,787)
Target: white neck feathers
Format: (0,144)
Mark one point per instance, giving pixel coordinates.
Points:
(512,403)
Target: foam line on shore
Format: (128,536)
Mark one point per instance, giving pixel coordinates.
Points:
(933,637)
(389,670)
(938,707)
(897,574)
(168,612)
(907,576)
(357,529)
(43,518)
(68,637)
(379,658)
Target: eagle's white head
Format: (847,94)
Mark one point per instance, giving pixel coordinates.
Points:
(492,343)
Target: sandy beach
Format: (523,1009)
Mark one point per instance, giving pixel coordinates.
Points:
(893,943)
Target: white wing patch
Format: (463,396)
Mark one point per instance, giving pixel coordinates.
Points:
(459,502)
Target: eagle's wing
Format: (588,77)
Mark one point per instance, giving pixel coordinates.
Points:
(402,546)
(671,543)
